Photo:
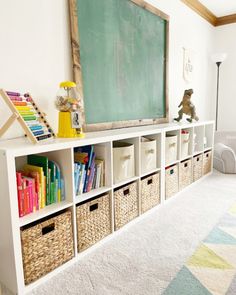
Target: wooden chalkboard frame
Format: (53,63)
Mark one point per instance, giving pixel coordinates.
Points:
(78,75)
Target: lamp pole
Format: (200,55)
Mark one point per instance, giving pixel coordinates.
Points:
(217,91)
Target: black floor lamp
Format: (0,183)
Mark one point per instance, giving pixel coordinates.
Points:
(218,59)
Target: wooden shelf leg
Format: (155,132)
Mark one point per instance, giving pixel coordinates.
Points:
(8,123)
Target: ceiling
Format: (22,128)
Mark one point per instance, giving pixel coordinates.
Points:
(220,7)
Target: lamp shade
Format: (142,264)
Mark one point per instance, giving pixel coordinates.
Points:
(218,57)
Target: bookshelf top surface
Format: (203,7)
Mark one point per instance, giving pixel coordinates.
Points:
(22,146)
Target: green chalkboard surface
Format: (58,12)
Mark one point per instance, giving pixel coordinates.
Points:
(122,59)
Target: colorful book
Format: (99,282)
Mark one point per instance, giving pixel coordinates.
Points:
(89,149)
(37,188)
(81,157)
(58,181)
(20,193)
(31,195)
(26,197)
(83,174)
(53,188)
(91,174)
(36,169)
(41,161)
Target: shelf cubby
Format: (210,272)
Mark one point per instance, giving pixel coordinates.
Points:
(156,149)
(186,143)
(172,147)
(198,139)
(64,159)
(102,152)
(208,138)
(134,160)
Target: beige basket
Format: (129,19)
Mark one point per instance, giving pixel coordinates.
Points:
(93,221)
(171,148)
(185,173)
(150,192)
(126,204)
(197,167)
(207,162)
(123,161)
(46,246)
(185,140)
(148,155)
(172,181)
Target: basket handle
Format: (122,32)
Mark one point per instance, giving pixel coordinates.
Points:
(172,144)
(149,181)
(93,207)
(198,159)
(172,171)
(151,151)
(126,158)
(185,164)
(47,229)
(126,192)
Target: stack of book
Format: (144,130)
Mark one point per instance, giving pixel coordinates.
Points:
(39,184)
(88,170)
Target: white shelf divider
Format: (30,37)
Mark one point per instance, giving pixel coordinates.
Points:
(46,211)
(93,193)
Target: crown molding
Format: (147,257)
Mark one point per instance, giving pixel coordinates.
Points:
(204,12)
(225,20)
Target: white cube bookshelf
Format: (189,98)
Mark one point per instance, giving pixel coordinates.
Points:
(13,155)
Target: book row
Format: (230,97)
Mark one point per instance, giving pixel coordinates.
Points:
(88,170)
(39,184)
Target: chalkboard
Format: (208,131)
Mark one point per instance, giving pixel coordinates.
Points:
(120,52)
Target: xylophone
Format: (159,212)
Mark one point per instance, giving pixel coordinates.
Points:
(28,114)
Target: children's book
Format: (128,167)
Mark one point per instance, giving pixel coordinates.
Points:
(26,197)
(58,182)
(41,161)
(35,176)
(20,193)
(36,169)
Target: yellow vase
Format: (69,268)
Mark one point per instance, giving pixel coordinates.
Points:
(65,127)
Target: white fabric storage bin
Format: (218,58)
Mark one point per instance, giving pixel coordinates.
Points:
(171,148)
(184,145)
(123,161)
(148,154)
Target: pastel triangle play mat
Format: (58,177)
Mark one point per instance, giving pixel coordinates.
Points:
(211,270)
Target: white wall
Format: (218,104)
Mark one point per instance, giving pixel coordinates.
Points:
(189,30)
(35,53)
(225,41)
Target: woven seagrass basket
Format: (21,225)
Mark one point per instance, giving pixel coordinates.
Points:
(46,245)
(185,173)
(93,221)
(150,192)
(172,181)
(207,161)
(197,167)
(126,204)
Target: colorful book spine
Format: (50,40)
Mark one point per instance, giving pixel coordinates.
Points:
(32,184)
(20,193)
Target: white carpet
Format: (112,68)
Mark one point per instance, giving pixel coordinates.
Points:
(145,256)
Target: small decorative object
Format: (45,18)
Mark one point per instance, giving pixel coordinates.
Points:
(68,103)
(188,67)
(27,113)
(188,107)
